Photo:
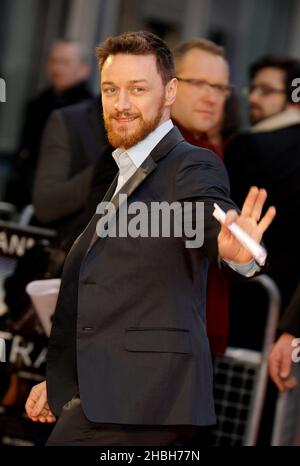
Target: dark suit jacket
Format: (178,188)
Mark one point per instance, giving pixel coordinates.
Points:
(129,328)
(271,160)
(290,321)
(74,143)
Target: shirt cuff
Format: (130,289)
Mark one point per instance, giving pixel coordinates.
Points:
(247,270)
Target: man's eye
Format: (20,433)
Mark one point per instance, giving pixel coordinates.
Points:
(109,90)
(138,90)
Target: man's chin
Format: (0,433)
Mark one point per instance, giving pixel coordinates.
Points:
(124,139)
(254,119)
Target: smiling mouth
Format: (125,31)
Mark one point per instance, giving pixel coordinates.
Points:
(204,112)
(125,119)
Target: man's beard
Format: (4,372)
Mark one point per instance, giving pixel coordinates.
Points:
(256,118)
(125,139)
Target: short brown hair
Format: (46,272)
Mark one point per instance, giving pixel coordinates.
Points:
(139,43)
(199,43)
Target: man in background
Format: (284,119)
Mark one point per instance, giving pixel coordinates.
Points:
(269,155)
(75,159)
(67,71)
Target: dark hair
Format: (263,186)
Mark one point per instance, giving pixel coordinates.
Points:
(290,67)
(199,43)
(139,43)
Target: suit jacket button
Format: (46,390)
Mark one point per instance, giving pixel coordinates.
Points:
(87,329)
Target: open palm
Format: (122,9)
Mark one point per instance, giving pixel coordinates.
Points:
(250,221)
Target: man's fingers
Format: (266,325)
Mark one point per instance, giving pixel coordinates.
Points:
(37,407)
(250,201)
(258,204)
(45,419)
(40,404)
(267,219)
(29,405)
(31,402)
(231,216)
(291,382)
(274,373)
(286,365)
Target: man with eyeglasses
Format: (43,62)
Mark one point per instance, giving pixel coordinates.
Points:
(269,155)
(269,93)
(203,88)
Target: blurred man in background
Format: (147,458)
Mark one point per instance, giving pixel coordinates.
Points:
(203,88)
(270,94)
(67,70)
(74,145)
(199,112)
(268,156)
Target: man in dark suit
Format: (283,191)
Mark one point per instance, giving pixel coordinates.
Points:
(129,360)
(67,70)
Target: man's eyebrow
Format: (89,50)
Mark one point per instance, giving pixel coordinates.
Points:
(132,81)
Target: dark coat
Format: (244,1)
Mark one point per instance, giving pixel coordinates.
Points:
(271,160)
(38,110)
(290,321)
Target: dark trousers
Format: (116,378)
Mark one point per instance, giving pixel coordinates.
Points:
(73,428)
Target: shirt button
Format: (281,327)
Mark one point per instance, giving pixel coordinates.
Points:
(87,329)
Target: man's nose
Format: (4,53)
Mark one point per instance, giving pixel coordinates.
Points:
(253,97)
(122,103)
(208,94)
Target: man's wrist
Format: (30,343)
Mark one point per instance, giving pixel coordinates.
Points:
(247,270)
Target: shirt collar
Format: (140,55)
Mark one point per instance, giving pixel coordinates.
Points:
(138,153)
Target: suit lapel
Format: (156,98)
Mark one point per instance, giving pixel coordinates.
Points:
(161,150)
(127,189)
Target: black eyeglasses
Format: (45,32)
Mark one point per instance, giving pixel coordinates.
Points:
(262,90)
(219,89)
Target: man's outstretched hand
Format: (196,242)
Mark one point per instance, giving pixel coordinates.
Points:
(37,407)
(250,221)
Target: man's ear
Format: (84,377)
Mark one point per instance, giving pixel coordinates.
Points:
(170,92)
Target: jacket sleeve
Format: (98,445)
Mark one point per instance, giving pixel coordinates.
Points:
(202,177)
(54,194)
(290,321)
